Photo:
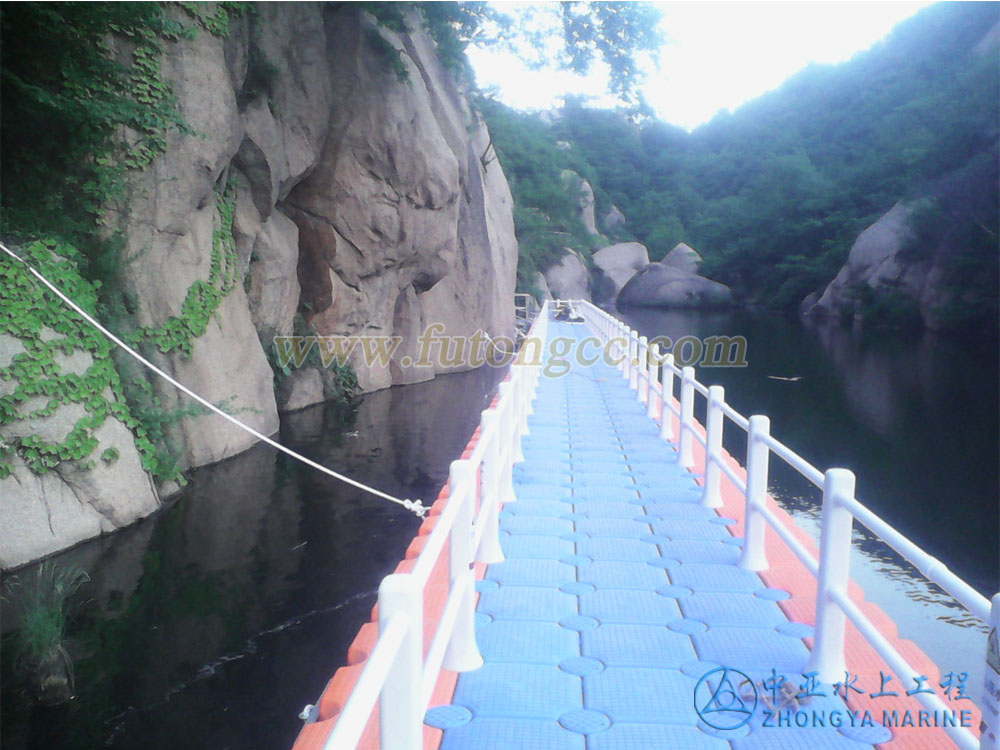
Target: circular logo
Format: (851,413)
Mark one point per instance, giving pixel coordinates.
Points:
(725,698)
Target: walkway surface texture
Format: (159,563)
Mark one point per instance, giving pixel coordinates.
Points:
(619,592)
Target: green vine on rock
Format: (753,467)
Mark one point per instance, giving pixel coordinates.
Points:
(87,105)
(214,18)
(203,297)
(38,381)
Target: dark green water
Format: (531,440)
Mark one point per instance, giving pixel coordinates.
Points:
(213,623)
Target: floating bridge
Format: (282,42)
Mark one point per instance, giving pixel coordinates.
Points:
(599,574)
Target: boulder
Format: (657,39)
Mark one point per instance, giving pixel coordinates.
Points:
(569,279)
(683,257)
(659,285)
(617,264)
(67,400)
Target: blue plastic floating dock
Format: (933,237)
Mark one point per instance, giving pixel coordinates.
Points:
(618,594)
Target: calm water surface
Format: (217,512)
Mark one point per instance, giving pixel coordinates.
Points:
(213,623)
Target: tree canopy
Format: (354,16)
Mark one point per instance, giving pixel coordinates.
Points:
(774,194)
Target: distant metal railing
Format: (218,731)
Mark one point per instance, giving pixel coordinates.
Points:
(651,374)
(526,309)
(397,674)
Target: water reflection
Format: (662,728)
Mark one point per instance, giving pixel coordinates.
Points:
(213,623)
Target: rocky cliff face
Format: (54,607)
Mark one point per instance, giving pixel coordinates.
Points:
(41,511)
(320,193)
(400,224)
(360,204)
(873,262)
(583,194)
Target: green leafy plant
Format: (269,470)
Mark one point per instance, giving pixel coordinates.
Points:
(203,297)
(49,333)
(41,602)
(85,106)
(342,386)
(341,382)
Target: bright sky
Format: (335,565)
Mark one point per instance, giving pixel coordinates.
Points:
(718,55)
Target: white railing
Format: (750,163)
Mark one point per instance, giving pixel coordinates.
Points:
(397,674)
(525,309)
(651,374)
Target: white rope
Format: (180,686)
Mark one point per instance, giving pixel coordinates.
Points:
(413,505)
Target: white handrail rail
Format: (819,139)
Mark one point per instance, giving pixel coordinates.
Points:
(369,685)
(436,653)
(928,565)
(735,417)
(963,737)
(796,461)
(840,508)
(397,673)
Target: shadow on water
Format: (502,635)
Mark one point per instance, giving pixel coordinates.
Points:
(214,622)
(916,419)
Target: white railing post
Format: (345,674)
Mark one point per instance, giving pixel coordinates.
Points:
(714,425)
(667,389)
(653,371)
(633,359)
(686,457)
(527,396)
(613,341)
(508,408)
(462,654)
(754,556)
(836,523)
(524,388)
(490,550)
(518,418)
(531,383)
(401,713)
(507,438)
(620,348)
(642,391)
(626,352)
